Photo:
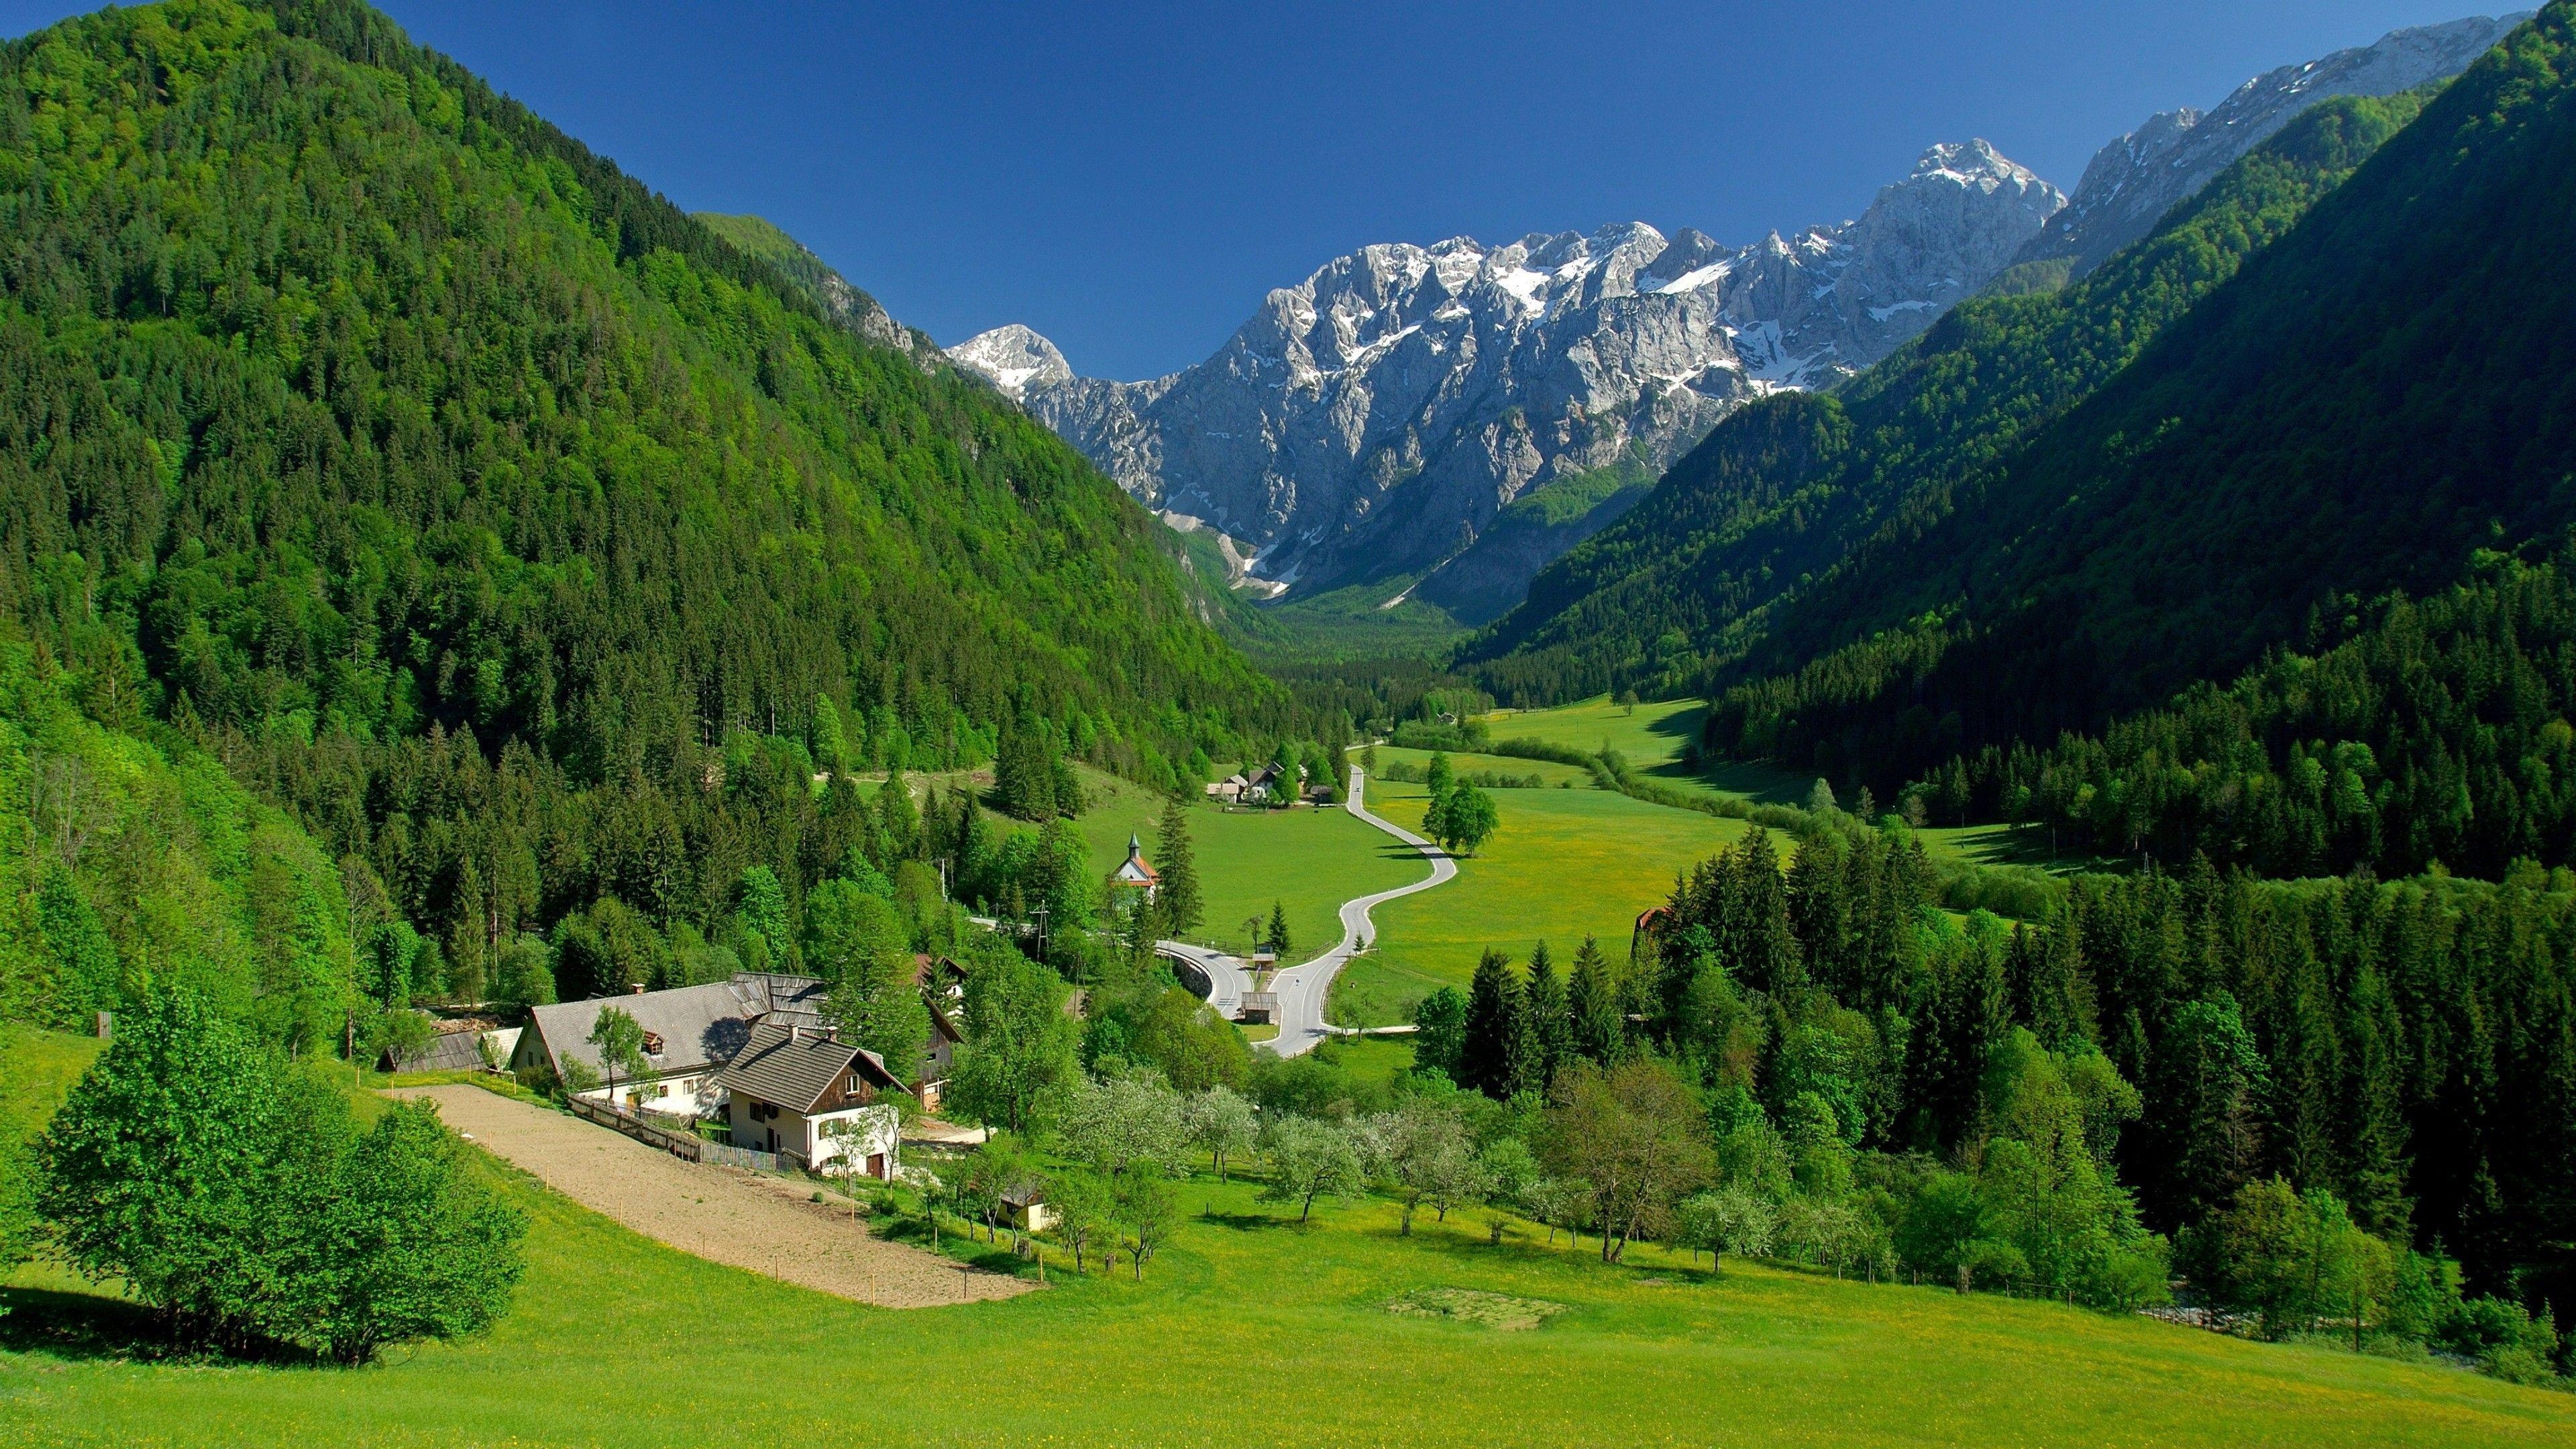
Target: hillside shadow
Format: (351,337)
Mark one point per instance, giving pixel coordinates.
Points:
(92,1326)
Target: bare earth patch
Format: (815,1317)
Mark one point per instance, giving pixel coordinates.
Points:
(1469,1305)
(724,1215)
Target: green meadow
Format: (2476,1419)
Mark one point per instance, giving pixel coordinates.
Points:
(1652,736)
(1563,865)
(1309,859)
(1248,1330)
(1549,772)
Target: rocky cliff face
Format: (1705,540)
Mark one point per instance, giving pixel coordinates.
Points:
(2131,183)
(1371,421)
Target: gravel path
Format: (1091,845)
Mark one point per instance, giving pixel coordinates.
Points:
(725,1215)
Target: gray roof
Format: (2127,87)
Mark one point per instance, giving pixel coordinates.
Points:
(795,1068)
(792,1000)
(456,1051)
(700,1026)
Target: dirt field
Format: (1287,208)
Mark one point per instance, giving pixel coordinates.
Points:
(765,1224)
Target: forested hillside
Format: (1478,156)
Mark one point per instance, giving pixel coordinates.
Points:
(2410,735)
(529,541)
(123,856)
(2389,388)
(1787,489)
(2404,1047)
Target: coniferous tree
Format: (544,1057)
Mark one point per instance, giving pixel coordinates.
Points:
(2216,1079)
(1485,1050)
(1276,933)
(1594,1027)
(1178,893)
(1766,956)
(898,819)
(831,748)
(1024,775)
(1551,1021)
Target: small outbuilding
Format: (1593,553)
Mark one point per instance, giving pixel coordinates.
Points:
(1026,1202)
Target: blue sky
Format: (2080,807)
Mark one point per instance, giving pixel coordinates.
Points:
(1131,179)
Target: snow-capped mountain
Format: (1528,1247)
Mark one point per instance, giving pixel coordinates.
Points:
(1370,421)
(2131,183)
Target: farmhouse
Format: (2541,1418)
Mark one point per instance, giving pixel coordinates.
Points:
(801,1093)
(689,1031)
(1251,788)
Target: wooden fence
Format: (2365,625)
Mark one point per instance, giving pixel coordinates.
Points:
(683,1144)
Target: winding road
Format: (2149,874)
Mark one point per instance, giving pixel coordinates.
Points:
(1302,988)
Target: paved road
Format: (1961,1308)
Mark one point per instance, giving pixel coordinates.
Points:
(1302,988)
(1226,977)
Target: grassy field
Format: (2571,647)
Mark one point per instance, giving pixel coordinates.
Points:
(1252,1330)
(1564,863)
(1465,763)
(36,1068)
(1652,737)
(1311,859)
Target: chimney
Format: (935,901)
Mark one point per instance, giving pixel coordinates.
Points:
(637,989)
(795,1032)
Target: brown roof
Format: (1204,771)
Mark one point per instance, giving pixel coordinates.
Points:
(794,1067)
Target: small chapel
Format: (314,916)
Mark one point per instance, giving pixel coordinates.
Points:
(1135,872)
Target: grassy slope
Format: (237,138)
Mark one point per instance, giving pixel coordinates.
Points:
(1252,1331)
(1313,860)
(1565,863)
(1653,736)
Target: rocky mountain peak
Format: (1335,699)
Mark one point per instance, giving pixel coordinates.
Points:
(1372,419)
(1014,359)
(2132,182)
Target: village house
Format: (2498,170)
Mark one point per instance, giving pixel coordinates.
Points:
(814,1098)
(1254,787)
(689,1032)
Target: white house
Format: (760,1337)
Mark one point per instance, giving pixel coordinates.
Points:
(689,1031)
(802,1093)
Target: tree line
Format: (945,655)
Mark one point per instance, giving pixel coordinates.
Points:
(2408,735)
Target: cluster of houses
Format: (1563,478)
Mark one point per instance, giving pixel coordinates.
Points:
(1270,785)
(755,1050)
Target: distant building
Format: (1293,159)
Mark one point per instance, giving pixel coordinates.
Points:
(1134,873)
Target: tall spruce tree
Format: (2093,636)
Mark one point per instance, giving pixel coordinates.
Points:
(1276,934)
(1551,1020)
(1178,895)
(1594,1024)
(1485,1061)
